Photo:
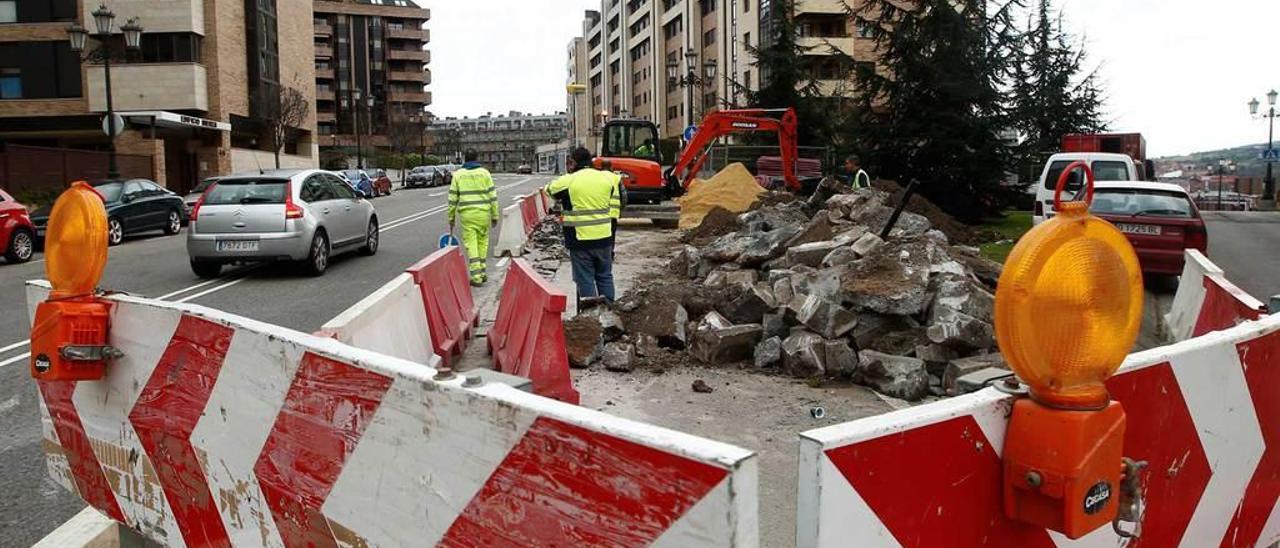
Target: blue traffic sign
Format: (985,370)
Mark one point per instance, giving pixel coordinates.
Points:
(1271,154)
(689,132)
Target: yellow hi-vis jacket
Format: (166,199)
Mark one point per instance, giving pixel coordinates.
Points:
(592,203)
(472,190)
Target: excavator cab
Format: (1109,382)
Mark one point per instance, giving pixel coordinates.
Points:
(631,139)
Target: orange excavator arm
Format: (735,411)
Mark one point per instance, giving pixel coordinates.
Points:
(724,122)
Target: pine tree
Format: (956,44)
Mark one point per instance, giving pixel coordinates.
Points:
(1051,94)
(935,109)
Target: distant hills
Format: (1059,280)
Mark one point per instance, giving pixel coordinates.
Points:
(1246,159)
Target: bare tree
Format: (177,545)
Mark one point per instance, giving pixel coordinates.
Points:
(281,114)
(405,134)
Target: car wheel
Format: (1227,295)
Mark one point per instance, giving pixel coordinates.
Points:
(22,245)
(115,232)
(318,258)
(174,224)
(370,239)
(206,270)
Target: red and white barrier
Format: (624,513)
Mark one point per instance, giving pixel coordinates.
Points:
(1225,306)
(1205,413)
(530,213)
(391,321)
(527,337)
(1185,311)
(216,430)
(443,279)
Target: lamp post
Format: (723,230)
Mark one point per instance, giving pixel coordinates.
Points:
(104,24)
(368,122)
(692,78)
(1223,167)
(1269,188)
(355,109)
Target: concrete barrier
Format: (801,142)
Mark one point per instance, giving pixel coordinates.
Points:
(219,430)
(1205,413)
(391,321)
(511,233)
(1185,310)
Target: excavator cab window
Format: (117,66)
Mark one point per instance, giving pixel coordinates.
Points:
(631,139)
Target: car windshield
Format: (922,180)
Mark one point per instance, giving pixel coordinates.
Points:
(1139,202)
(203,186)
(110,191)
(247,191)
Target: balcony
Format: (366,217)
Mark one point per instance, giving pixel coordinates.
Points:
(151,86)
(409,55)
(421,35)
(167,16)
(406,96)
(417,77)
(322,30)
(326,117)
(326,94)
(324,51)
(325,73)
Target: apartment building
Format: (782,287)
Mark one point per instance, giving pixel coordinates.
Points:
(673,61)
(371,68)
(504,142)
(189,97)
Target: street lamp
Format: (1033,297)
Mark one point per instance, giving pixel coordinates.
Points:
(1269,189)
(1223,167)
(104,23)
(355,108)
(692,78)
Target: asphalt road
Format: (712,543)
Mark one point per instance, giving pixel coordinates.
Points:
(156,266)
(1247,246)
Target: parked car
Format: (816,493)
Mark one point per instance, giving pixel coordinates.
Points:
(382,184)
(420,177)
(1159,219)
(194,196)
(524,169)
(353,177)
(17,233)
(306,216)
(133,206)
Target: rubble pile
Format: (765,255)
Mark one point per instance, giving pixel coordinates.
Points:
(547,240)
(812,291)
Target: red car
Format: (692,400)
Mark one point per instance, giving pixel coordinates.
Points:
(382,184)
(1159,219)
(17,234)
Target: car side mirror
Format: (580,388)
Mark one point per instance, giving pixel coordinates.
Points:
(128,198)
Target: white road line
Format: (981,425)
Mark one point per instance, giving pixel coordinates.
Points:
(18,344)
(181,291)
(211,290)
(15,359)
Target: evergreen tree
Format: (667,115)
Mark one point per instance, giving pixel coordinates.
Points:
(935,109)
(1051,94)
(784,80)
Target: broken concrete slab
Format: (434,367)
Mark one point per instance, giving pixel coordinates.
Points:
(817,229)
(731,277)
(823,283)
(804,354)
(783,291)
(892,280)
(852,234)
(728,248)
(962,294)
(714,343)
(611,325)
(866,244)
(618,357)
(896,376)
(980,379)
(774,324)
(840,360)
(959,330)
(810,254)
(752,304)
(873,327)
(825,317)
(767,246)
(768,354)
(964,366)
(685,263)
(665,320)
(839,256)
(936,357)
(583,341)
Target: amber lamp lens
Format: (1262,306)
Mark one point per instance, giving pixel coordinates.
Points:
(76,241)
(1069,307)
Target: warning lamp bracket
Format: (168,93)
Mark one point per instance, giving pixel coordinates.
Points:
(90,353)
(1132,499)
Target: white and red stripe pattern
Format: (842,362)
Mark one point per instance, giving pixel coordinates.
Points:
(216,430)
(1203,413)
(1206,301)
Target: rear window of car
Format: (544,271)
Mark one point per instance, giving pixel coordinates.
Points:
(110,192)
(247,191)
(1137,202)
(1110,171)
(1102,171)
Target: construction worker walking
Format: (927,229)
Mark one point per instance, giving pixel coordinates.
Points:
(592,204)
(474,198)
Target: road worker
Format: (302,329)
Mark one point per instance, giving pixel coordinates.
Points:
(858,177)
(474,198)
(592,204)
(646,150)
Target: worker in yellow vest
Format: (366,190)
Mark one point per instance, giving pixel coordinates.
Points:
(592,203)
(474,198)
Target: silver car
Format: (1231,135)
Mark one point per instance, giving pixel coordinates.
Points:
(305,216)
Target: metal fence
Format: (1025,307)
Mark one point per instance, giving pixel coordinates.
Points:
(720,156)
(27,169)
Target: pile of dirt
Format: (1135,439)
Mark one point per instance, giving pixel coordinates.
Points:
(774,198)
(718,222)
(957,232)
(733,188)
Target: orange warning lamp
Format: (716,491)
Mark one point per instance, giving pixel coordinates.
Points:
(1068,310)
(69,336)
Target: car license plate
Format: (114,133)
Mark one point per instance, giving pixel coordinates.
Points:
(1146,230)
(237,246)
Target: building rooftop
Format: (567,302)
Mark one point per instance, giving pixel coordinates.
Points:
(395,3)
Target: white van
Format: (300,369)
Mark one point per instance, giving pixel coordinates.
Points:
(1106,167)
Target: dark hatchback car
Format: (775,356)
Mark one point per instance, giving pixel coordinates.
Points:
(133,206)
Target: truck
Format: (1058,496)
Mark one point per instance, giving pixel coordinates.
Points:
(1111,156)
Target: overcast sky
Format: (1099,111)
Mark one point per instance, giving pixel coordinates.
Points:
(1179,71)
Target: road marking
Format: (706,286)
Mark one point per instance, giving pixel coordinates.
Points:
(211,290)
(435,195)
(18,344)
(15,359)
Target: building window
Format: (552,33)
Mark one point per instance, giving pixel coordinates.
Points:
(10,83)
(746,39)
(8,12)
(746,6)
(746,80)
(171,47)
(708,38)
(674,29)
(709,100)
(707,6)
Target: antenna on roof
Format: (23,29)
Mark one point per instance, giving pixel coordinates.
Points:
(256,160)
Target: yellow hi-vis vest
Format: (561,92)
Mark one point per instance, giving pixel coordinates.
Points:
(472,189)
(593,199)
